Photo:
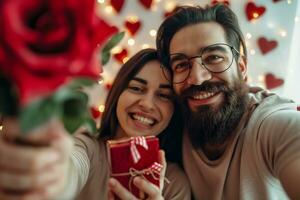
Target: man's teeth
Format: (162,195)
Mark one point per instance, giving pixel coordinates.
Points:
(203,95)
(143,120)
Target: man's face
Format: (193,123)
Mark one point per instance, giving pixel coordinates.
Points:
(213,101)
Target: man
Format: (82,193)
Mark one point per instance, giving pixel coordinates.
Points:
(239,143)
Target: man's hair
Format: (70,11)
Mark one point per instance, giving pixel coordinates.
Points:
(189,15)
(170,138)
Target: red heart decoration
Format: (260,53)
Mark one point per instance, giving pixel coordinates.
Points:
(265,45)
(108,86)
(225,2)
(120,56)
(298,108)
(272,81)
(95,112)
(253,11)
(117,5)
(146,3)
(132,26)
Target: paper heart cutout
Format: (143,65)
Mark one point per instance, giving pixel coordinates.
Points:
(146,3)
(132,26)
(265,45)
(108,86)
(272,81)
(298,108)
(225,2)
(253,11)
(121,56)
(95,112)
(117,5)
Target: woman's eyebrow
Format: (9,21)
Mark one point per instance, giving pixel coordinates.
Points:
(143,81)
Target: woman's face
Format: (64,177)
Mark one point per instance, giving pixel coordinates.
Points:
(145,107)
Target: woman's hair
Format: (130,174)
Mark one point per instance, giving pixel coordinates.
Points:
(190,15)
(170,138)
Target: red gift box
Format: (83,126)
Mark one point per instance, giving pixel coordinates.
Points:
(135,156)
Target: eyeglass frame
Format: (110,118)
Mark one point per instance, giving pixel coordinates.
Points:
(232,48)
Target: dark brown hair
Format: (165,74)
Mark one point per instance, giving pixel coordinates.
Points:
(170,138)
(189,15)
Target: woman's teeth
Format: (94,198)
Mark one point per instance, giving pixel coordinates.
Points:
(143,120)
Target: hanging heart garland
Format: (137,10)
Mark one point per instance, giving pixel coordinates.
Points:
(121,56)
(253,11)
(265,45)
(271,81)
(146,3)
(117,5)
(132,26)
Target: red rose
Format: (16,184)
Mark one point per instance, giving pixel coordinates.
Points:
(43,43)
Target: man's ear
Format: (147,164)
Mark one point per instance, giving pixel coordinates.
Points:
(242,66)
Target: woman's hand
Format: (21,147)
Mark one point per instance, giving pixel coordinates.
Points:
(153,192)
(37,168)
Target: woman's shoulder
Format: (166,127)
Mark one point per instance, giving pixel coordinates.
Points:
(178,186)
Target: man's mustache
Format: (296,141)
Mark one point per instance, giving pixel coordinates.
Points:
(206,86)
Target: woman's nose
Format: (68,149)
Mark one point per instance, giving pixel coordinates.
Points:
(147,102)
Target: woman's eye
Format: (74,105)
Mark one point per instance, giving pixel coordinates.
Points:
(166,97)
(135,89)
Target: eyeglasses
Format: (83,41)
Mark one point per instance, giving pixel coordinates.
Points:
(216,58)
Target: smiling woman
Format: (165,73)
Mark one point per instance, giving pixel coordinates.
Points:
(140,103)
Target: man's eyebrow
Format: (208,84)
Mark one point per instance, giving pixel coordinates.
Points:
(214,48)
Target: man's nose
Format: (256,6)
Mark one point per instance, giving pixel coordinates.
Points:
(198,73)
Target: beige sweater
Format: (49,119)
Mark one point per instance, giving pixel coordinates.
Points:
(267,139)
(89,174)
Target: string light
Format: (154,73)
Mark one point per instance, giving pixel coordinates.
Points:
(109,9)
(101,1)
(289,1)
(101,80)
(131,42)
(248,36)
(252,52)
(145,46)
(116,49)
(101,108)
(1,127)
(261,78)
(296,19)
(283,33)
(255,15)
(270,24)
(153,33)
(133,18)
(125,59)
(170,5)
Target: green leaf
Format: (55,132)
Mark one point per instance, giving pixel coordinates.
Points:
(115,39)
(72,123)
(81,82)
(105,57)
(37,113)
(90,125)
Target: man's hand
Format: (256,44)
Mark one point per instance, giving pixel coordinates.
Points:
(35,169)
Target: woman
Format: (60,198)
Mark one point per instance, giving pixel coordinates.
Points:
(140,103)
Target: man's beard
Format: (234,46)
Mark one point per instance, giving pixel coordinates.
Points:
(214,124)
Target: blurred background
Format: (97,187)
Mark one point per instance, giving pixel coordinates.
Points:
(271,29)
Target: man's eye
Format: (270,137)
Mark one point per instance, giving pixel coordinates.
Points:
(181,66)
(213,59)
